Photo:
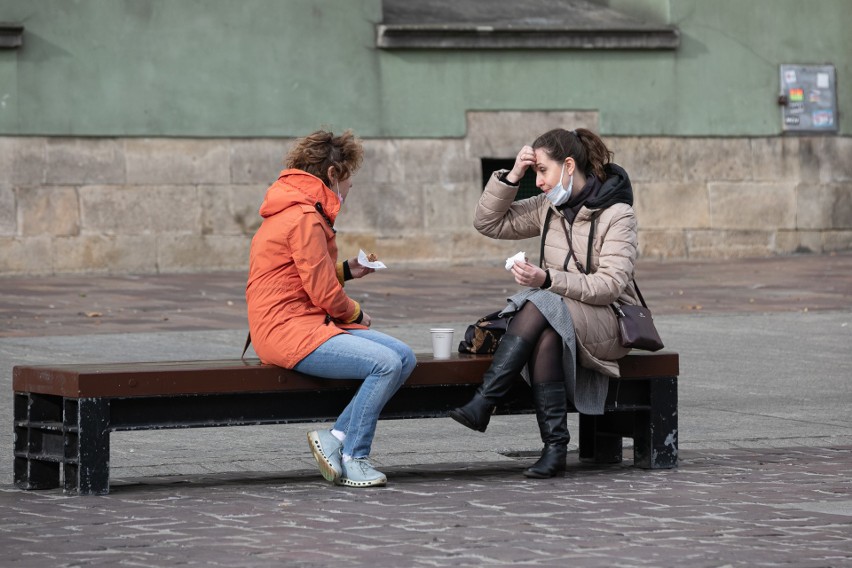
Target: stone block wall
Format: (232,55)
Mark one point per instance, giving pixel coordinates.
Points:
(149,205)
(723,197)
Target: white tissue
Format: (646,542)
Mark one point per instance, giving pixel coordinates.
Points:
(521,257)
(362,260)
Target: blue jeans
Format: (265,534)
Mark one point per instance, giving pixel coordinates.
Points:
(381,361)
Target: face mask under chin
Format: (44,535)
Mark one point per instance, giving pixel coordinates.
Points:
(559,195)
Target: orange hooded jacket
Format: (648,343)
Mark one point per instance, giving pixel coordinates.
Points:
(295,291)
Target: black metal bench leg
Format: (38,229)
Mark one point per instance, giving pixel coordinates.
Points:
(87,452)
(597,442)
(655,430)
(38,440)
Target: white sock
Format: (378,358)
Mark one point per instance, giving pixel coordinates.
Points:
(347,458)
(338,434)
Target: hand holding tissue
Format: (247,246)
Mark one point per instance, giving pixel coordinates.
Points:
(520,257)
(365,261)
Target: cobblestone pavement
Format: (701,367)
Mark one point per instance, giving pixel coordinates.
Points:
(74,305)
(790,507)
(764,479)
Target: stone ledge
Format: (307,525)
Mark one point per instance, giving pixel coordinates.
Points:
(11,35)
(517,24)
(488,37)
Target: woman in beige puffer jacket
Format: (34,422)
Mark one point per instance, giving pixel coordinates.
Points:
(589,251)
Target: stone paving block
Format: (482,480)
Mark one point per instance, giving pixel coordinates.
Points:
(776,159)
(649,159)
(25,255)
(408,250)
(231,209)
(752,206)
(181,253)
(826,159)
(824,206)
(716,159)
(672,206)
(728,244)
(752,506)
(85,161)
(381,164)
(8,210)
(797,241)
(388,209)
(662,244)
(7,159)
(28,160)
(730,507)
(501,134)
(48,210)
(105,254)
(835,240)
(471,247)
(136,210)
(449,206)
(173,161)
(437,161)
(257,161)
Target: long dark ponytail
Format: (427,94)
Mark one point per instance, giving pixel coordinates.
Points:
(588,150)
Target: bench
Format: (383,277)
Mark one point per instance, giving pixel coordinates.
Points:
(63,414)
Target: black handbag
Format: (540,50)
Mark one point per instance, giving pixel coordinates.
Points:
(636,325)
(484,336)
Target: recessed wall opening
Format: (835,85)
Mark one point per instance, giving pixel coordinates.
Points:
(527,186)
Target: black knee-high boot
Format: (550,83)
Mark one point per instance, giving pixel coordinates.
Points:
(511,356)
(551,410)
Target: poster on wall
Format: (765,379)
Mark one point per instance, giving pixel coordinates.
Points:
(808,98)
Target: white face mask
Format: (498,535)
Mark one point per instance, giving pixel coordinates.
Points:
(559,195)
(340,197)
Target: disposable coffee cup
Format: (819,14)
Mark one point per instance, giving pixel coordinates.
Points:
(442,342)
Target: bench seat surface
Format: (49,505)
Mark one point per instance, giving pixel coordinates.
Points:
(235,375)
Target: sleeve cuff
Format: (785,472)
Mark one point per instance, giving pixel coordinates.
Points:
(341,274)
(502,178)
(359,315)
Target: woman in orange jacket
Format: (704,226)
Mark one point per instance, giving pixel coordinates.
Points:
(299,314)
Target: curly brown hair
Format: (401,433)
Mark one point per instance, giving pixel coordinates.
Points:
(317,152)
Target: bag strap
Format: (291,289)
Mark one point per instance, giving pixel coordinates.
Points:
(638,293)
(616,306)
(543,235)
(248,342)
(591,241)
(571,250)
(587,268)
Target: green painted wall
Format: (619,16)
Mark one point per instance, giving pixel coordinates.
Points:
(284,67)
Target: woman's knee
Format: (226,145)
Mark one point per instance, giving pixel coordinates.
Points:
(550,338)
(387,364)
(408,359)
(400,357)
(528,323)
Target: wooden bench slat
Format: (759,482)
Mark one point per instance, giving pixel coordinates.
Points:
(235,376)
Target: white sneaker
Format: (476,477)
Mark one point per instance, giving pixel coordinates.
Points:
(327,451)
(358,472)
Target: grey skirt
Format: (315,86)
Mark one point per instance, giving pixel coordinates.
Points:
(586,388)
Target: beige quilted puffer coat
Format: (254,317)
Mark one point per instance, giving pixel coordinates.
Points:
(614,250)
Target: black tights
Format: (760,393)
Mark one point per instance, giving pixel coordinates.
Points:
(546,362)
